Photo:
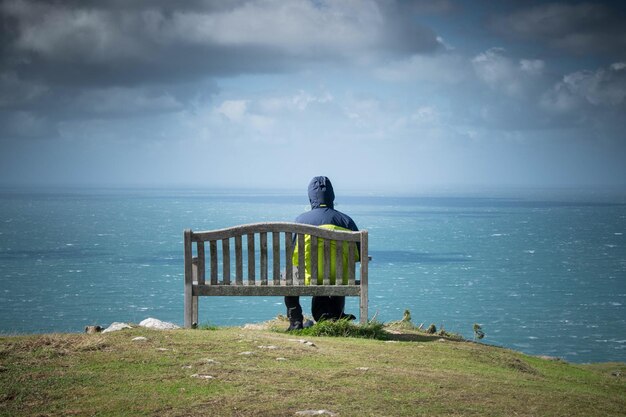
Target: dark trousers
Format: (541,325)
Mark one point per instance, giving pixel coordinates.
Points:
(323,308)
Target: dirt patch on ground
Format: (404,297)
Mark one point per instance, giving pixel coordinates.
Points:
(520,365)
(56,345)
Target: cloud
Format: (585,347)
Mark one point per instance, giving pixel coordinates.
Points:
(532,66)
(122,101)
(307,116)
(603,88)
(580,28)
(15,92)
(524,96)
(233,110)
(502,73)
(302,100)
(426,117)
(299,101)
(364,109)
(444,68)
(496,70)
(239,120)
(559,99)
(427,7)
(24,124)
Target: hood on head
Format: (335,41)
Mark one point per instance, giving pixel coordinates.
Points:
(321,193)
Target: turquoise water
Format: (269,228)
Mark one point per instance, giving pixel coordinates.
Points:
(542,272)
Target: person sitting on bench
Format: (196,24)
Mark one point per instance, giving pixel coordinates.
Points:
(322,213)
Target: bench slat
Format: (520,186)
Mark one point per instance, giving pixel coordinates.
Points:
(326,262)
(301,265)
(238,261)
(351,262)
(213,250)
(339,263)
(200,264)
(288,258)
(226,261)
(313,260)
(276,258)
(263,239)
(251,268)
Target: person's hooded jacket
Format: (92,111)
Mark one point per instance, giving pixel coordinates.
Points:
(323,214)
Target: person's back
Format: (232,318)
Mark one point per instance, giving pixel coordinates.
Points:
(322,213)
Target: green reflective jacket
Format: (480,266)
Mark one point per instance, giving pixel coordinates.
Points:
(320,258)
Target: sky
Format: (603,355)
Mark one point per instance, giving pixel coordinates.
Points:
(377,95)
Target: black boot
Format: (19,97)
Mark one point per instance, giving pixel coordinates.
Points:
(329,308)
(348,317)
(295,319)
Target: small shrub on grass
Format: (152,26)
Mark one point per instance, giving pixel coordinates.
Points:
(478,332)
(450,335)
(405,323)
(344,328)
(208,326)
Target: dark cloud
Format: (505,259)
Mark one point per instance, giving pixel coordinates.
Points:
(122,43)
(101,59)
(576,28)
(26,124)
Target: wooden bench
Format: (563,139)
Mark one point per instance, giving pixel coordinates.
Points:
(213,276)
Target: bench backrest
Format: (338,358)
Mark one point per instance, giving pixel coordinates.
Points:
(277,251)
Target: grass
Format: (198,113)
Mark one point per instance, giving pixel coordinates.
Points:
(344,328)
(407,375)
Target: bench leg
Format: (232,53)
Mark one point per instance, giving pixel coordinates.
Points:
(363,304)
(194,315)
(188,306)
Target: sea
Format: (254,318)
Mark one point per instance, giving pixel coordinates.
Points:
(541,271)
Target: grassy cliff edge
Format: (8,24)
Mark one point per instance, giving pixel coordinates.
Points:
(251,371)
